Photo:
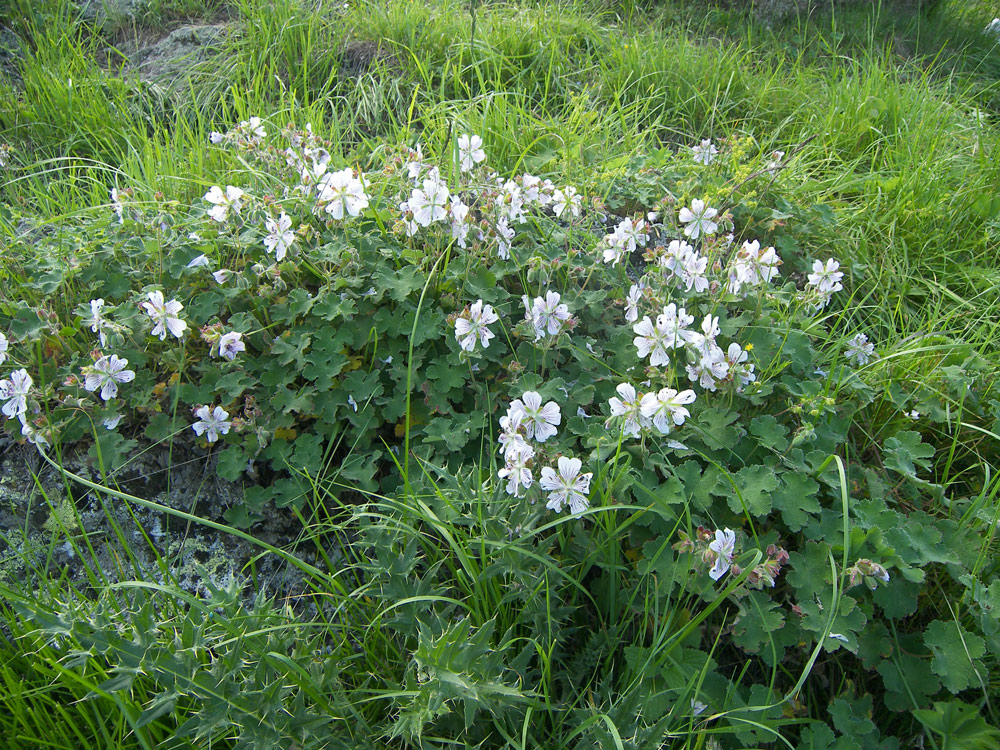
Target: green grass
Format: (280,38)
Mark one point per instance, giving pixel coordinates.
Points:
(892,144)
(894,126)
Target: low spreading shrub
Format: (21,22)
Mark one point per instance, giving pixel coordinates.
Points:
(603,454)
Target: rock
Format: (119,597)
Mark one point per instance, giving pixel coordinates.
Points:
(38,520)
(108,15)
(776,11)
(11,49)
(171,60)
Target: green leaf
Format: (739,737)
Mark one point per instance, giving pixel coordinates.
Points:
(753,489)
(796,499)
(232,385)
(961,725)
(810,577)
(291,351)
(446,376)
(853,718)
(699,486)
(771,434)
(899,599)
(760,618)
(956,655)
(454,432)
(308,453)
(330,306)
(232,462)
(908,680)
(400,284)
(286,400)
(905,453)
(297,304)
(715,427)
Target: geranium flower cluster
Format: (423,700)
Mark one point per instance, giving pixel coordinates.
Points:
(868,572)
(500,204)
(675,310)
(707,363)
(247,134)
(627,236)
(635,412)
(109,371)
(717,551)
(528,421)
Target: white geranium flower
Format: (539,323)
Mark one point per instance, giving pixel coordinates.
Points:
(698,219)
(674,322)
(614,248)
(724,547)
(252,128)
(826,277)
(566,198)
(767,265)
(666,408)
(628,236)
(704,342)
(231,344)
(516,471)
(4,346)
(224,202)
(548,314)
(428,205)
(164,315)
(512,204)
(469,329)
(692,271)
(511,433)
(201,261)
(110,422)
(539,421)
(470,151)
(280,236)
(415,165)
(211,422)
(710,368)
(652,341)
(459,221)
(343,194)
(741,370)
(704,153)
(530,187)
(673,259)
(860,350)
(15,393)
(33,436)
(97,321)
(627,406)
(569,486)
(505,236)
(116,205)
(106,373)
(632,303)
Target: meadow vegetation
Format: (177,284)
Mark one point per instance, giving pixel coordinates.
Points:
(595,374)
